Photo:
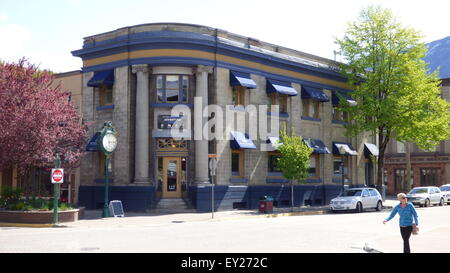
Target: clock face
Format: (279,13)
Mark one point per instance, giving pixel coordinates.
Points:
(109,142)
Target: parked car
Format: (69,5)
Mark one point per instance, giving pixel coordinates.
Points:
(357,199)
(445,189)
(425,196)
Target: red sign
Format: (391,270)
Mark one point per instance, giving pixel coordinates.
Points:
(57,175)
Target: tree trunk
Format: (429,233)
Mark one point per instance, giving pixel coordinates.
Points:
(383,141)
(407,185)
(292,195)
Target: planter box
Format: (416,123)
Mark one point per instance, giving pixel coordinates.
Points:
(40,217)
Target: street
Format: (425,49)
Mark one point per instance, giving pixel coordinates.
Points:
(331,233)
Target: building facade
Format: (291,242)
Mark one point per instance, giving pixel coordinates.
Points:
(427,168)
(162,85)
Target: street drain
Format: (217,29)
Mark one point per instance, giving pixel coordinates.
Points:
(177,222)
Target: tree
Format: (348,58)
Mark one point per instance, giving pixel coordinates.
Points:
(294,160)
(37,120)
(397,97)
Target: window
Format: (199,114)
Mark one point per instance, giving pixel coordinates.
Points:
(172,88)
(171,144)
(429,176)
(237,163)
(272,162)
(311,108)
(314,166)
(401,147)
(337,170)
(280,100)
(238,96)
(105,95)
(339,115)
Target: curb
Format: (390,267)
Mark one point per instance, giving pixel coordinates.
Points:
(27,225)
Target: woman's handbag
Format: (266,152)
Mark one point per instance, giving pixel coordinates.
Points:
(415,230)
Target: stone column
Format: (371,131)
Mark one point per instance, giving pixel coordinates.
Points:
(142,143)
(201,144)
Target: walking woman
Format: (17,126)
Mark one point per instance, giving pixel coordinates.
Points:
(407,214)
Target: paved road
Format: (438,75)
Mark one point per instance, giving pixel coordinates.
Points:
(231,232)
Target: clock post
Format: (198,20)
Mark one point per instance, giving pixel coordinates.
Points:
(107,143)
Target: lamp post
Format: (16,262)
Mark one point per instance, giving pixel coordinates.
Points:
(107,142)
(342,152)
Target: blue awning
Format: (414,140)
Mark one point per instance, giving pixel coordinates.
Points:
(371,149)
(241,141)
(274,143)
(313,93)
(241,79)
(318,146)
(92,145)
(347,148)
(284,88)
(335,98)
(105,77)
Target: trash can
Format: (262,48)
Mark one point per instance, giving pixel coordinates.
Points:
(266,204)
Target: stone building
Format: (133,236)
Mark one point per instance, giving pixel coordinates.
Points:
(153,81)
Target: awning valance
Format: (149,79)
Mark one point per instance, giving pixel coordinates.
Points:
(335,98)
(241,140)
(284,88)
(105,77)
(241,79)
(274,143)
(92,145)
(347,148)
(371,149)
(318,146)
(313,93)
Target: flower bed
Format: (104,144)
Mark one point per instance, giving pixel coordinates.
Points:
(40,217)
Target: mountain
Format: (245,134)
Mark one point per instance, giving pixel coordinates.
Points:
(439,56)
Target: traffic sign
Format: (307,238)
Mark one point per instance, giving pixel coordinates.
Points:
(57,176)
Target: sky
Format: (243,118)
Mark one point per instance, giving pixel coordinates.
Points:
(46,31)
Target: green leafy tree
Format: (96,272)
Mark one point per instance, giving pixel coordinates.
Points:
(397,97)
(294,160)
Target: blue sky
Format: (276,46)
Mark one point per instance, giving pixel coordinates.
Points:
(46,31)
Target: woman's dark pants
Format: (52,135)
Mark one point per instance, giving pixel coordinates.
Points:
(406,233)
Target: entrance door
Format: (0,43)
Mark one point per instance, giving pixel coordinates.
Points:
(171,177)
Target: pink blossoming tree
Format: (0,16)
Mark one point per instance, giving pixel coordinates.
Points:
(37,120)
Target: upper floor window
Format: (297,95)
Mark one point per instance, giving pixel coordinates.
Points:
(280,100)
(172,88)
(311,108)
(105,95)
(238,96)
(340,115)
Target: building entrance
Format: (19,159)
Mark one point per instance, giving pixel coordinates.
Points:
(171,184)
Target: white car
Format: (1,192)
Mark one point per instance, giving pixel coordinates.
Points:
(425,196)
(357,199)
(445,189)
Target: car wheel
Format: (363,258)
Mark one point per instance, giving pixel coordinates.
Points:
(441,203)
(379,206)
(359,207)
(427,203)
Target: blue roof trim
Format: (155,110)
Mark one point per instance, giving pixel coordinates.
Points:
(190,40)
(241,141)
(274,86)
(241,79)
(92,145)
(318,146)
(309,92)
(105,77)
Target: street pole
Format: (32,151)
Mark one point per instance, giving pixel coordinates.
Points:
(342,172)
(105,206)
(56,193)
(212,196)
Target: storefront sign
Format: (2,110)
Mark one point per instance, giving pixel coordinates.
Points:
(169,122)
